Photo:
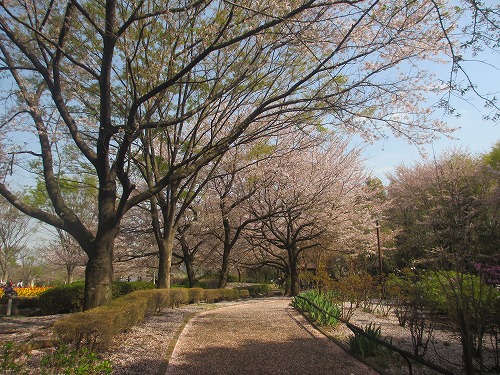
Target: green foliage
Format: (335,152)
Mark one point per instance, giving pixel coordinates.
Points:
(493,157)
(230,294)
(95,328)
(196,295)
(467,301)
(324,301)
(62,299)
(120,288)
(257,290)
(70,361)
(212,295)
(413,295)
(179,296)
(68,298)
(244,293)
(8,363)
(362,345)
(28,302)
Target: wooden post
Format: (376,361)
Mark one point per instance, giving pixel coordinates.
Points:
(9,306)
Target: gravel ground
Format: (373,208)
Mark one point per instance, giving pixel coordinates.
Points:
(258,337)
(146,348)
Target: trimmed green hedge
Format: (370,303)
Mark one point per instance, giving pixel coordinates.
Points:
(68,298)
(121,288)
(62,299)
(258,290)
(96,328)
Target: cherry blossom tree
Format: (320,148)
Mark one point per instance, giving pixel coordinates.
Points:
(237,179)
(14,233)
(66,253)
(307,196)
(210,75)
(447,211)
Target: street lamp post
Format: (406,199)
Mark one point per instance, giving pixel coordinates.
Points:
(377,226)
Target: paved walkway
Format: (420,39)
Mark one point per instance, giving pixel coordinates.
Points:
(258,337)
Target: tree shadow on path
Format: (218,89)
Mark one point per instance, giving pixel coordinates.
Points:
(300,356)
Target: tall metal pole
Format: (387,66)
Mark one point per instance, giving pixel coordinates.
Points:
(377,226)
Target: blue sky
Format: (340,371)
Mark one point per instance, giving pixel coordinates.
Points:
(473,134)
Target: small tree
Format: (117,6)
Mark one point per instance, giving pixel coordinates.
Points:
(15,230)
(308,199)
(448,211)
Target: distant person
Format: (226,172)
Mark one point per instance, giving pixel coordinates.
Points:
(8,289)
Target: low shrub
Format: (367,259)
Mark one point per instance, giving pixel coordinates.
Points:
(121,288)
(69,361)
(258,290)
(212,295)
(244,293)
(362,345)
(28,302)
(196,295)
(69,298)
(62,299)
(95,328)
(179,296)
(325,303)
(230,294)
(357,289)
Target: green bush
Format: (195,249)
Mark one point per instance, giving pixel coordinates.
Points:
(28,302)
(62,299)
(358,289)
(325,303)
(68,298)
(69,361)
(196,295)
(258,290)
(362,345)
(244,293)
(213,295)
(121,288)
(95,328)
(230,294)
(179,296)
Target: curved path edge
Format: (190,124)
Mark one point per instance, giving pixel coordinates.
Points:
(265,336)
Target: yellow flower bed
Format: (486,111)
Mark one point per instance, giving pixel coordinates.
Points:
(28,291)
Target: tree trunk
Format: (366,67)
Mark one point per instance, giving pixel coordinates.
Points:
(99,272)
(467,342)
(69,272)
(294,281)
(165,247)
(224,272)
(294,273)
(188,262)
(287,284)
